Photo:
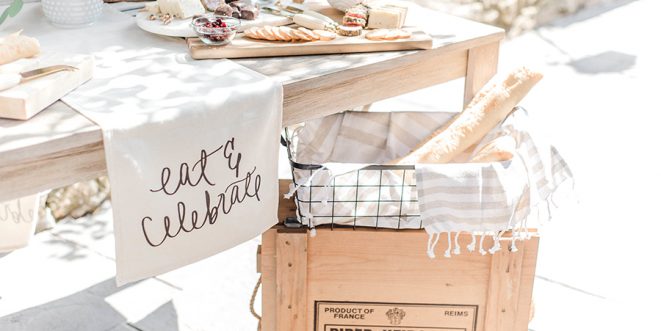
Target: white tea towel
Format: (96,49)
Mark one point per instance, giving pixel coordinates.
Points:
(489,198)
(191,146)
(458,197)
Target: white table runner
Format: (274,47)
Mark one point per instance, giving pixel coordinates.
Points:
(191,146)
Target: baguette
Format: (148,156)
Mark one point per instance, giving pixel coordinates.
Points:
(16,46)
(494,103)
(498,150)
(477,98)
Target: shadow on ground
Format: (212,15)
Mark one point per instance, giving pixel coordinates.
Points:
(87,310)
(590,12)
(606,62)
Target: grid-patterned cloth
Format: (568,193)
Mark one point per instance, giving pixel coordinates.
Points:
(482,198)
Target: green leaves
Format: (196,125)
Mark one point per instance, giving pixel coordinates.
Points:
(12,10)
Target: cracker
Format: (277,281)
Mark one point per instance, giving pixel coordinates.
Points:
(378,34)
(301,35)
(392,35)
(282,35)
(285,30)
(270,33)
(261,34)
(403,34)
(309,33)
(325,35)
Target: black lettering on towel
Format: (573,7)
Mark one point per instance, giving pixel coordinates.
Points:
(246,185)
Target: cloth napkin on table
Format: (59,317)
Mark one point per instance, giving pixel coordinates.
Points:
(479,198)
(191,146)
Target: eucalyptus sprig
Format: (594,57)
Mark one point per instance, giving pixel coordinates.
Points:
(12,10)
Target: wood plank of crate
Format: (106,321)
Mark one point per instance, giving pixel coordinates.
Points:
(60,146)
(348,265)
(291,283)
(266,261)
(504,285)
(268,271)
(367,262)
(525,302)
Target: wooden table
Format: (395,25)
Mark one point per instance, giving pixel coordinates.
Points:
(60,147)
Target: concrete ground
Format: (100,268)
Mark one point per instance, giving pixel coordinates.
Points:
(596,268)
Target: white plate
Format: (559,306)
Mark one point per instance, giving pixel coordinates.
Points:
(182,28)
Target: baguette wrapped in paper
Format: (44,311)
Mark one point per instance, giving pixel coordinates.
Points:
(16,46)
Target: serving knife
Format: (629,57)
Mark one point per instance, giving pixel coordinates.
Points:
(9,80)
(305,18)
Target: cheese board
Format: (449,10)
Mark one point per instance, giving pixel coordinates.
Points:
(244,47)
(25,100)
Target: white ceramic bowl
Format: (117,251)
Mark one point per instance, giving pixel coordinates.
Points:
(72,13)
(343,5)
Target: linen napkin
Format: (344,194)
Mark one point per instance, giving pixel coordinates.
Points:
(191,146)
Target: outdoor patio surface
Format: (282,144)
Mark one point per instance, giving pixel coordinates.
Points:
(596,268)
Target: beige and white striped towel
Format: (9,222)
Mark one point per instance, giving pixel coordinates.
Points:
(481,198)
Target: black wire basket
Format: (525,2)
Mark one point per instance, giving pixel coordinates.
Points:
(378,196)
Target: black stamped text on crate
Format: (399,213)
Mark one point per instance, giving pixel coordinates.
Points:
(390,316)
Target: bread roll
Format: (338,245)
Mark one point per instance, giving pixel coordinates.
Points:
(16,46)
(472,124)
(500,149)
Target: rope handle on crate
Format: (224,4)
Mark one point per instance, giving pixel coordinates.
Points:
(252,303)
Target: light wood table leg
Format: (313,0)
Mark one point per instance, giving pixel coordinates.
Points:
(482,65)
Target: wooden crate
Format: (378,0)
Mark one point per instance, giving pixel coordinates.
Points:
(306,280)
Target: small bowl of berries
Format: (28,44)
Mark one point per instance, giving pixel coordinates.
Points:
(216,30)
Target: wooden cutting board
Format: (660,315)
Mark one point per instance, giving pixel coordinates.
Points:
(243,47)
(26,100)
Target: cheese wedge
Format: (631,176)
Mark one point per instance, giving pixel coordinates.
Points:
(386,18)
(181,8)
(403,11)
